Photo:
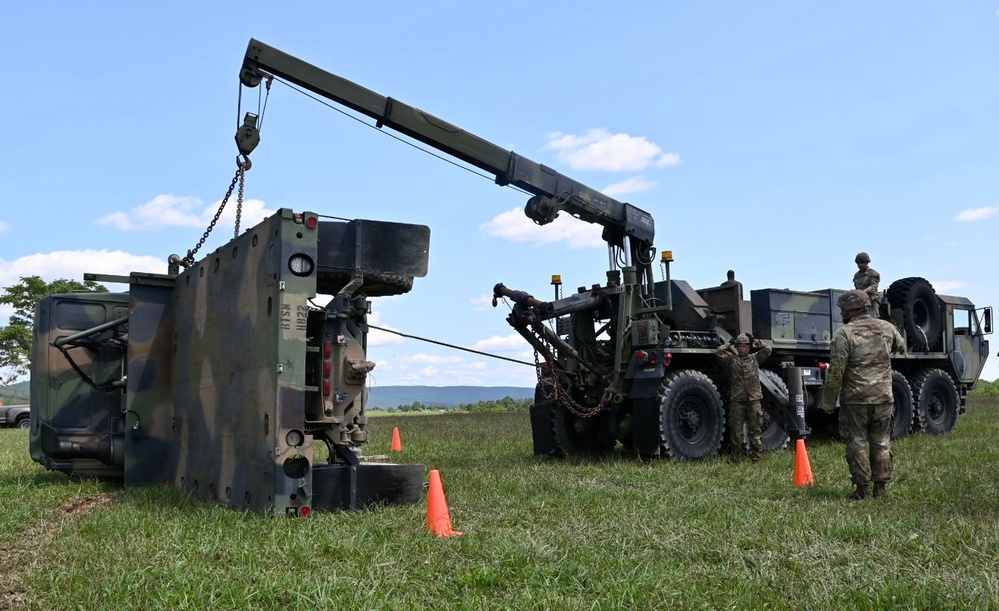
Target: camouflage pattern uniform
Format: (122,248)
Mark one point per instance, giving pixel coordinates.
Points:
(867,280)
(744,395)
(860,378)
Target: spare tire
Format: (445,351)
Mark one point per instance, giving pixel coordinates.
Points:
(922,316)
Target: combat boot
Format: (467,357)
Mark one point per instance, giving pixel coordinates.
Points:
(736,456)
(756,455)
(880,489)
(860,493)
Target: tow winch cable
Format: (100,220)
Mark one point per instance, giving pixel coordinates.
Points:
(432,341)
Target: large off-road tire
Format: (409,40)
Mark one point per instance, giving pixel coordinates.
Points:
(774,436)
(922,316)
(375,284)
(691,416)
(936,401)
(579,436)
(903,417)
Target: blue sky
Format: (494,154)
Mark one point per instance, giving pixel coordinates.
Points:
(775,138)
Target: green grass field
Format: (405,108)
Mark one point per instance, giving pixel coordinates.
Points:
(542,534)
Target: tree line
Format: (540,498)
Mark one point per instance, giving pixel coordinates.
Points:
(506,404)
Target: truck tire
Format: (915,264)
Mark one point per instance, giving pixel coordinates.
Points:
(578,436)
(936,401)
(24,422)
(903,419)
(774,437)
(691,416)
(375,284)
(922,318)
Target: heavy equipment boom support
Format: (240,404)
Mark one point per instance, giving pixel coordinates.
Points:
(553,192)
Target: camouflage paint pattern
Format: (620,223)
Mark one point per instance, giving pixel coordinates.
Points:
(69,418)
(860,362)
(231,372)
(744,371)
(741,413)
(744,395)
(863,425)
(867,281)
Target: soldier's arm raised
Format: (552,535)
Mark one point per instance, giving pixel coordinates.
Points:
(764,352)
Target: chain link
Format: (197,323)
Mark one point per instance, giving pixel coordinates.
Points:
(239,196)
(559,392)
(242,164)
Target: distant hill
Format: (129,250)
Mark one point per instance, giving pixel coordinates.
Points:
(379,396)
(16,394)
(448,396)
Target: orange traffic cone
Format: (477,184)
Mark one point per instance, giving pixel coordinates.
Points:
(396,441)
(802,469)
(438,517)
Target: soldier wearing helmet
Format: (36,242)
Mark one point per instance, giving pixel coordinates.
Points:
(859,378)
(866,279)
(745,393)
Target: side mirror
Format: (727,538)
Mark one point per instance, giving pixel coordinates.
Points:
(987,320)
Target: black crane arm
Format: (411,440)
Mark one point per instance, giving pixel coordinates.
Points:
(552,192)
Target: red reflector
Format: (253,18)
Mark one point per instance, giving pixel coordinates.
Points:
(667,359)
(326,387)
(304,511)
(823,366)
(653,359)
(327,368)
(328,349)
(312,222)
(641,355)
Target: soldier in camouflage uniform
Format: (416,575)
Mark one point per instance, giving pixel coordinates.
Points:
(745,393)
(860,378)
(866,279)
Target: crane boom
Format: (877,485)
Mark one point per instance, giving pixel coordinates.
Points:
(552,192)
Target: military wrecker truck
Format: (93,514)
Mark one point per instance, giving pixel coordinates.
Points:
(631,361)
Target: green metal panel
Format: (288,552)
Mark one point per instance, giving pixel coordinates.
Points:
(239,372)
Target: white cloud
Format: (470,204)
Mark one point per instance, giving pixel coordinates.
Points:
(382,338)
(599,149)
(72,264)
(514,226)
(180,211)
(976,214)
(635,184)
(496,342)
(430,359)
(482,303)
(3,226)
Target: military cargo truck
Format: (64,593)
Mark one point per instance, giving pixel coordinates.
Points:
(226,379)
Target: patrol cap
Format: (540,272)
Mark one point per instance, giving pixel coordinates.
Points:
(862,257)
(854,300)
(742,338)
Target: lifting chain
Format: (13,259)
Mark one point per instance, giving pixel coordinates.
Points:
(559,392)
(242,165)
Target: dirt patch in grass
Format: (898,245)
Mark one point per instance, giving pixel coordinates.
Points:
(25,555)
